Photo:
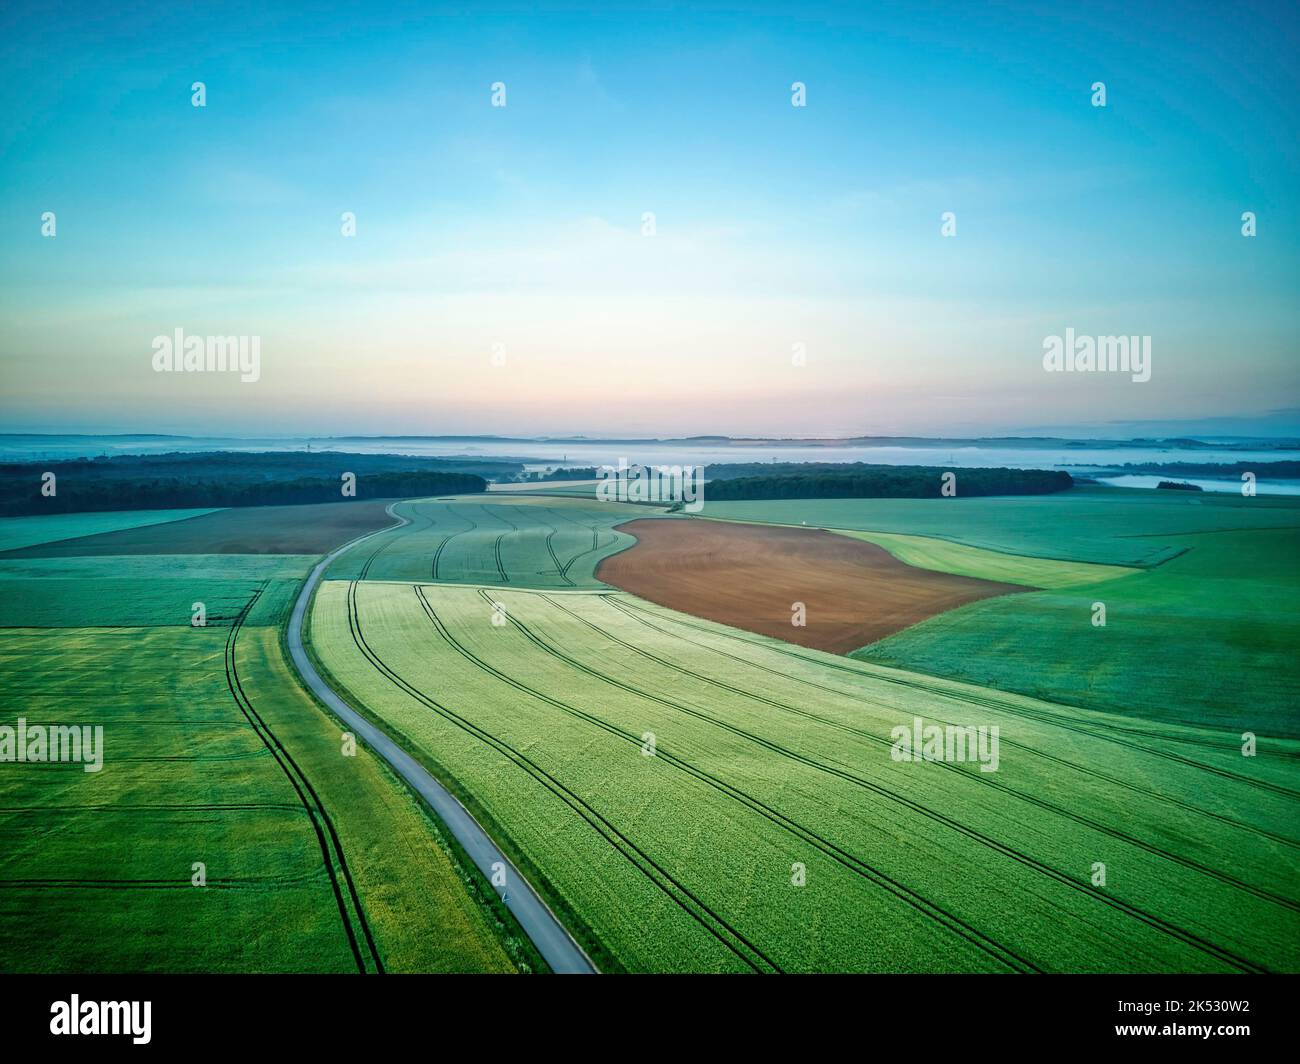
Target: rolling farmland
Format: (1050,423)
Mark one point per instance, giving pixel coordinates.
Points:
(686,796)
(537,702)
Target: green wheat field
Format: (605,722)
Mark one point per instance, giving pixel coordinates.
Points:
(770,830)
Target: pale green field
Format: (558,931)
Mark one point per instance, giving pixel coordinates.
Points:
(543,541)
(770,756)
(925,552)
(573,488)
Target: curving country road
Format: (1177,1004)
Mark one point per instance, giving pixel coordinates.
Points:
(553,942)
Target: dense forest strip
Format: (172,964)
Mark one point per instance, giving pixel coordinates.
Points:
(226,479)
(888,482)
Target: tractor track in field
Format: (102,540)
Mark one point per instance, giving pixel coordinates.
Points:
(595,541)
(365,569)
(679,894)
(1186,937)
(550,549)
(496,546)
(560,571)
(594,548)
(636,614)
(1100,732)
(326,836)
(539,524)
(437,554)
(973,776)
(934,912)
(562,568)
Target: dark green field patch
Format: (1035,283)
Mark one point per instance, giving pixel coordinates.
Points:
(1209,637)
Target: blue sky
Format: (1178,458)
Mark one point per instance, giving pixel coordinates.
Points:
(519,229)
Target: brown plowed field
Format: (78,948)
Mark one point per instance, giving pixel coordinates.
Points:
(750,576)
(312,528)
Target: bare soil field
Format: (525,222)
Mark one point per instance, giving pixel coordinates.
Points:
(751,577)
(313,528)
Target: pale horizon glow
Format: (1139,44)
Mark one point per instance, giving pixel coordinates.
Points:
(522,226)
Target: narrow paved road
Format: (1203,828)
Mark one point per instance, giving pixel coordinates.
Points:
(553,942)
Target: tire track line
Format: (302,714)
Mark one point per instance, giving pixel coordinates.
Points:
(501,569)
(855,864)
(678,893)
(1159,923)
(437,554)
(972,776)
(1241,825)
(1016,711)
(320,820)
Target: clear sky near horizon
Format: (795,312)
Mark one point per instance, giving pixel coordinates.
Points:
(774,225)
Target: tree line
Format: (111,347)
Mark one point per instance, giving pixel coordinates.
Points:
(890,482)
(230,480)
